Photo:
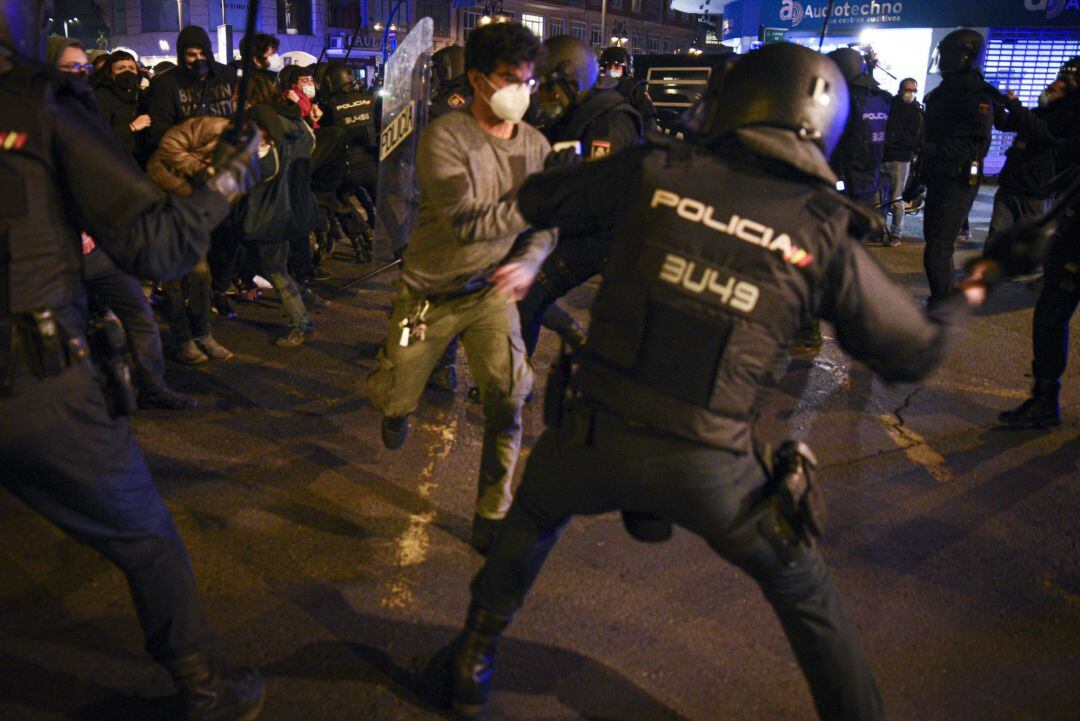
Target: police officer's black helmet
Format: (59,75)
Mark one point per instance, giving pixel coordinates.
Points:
(23,25)
(781,85)
(616,55)
(569,61)
(960,50)
(336,78)
(850,61)
(446,64)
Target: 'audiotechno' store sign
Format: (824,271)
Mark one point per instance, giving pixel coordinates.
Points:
(810,15)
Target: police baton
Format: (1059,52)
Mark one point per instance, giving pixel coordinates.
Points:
(369,275)
(236,130)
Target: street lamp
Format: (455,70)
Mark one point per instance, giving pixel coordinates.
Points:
(618,37)
(492,12)
(65,22)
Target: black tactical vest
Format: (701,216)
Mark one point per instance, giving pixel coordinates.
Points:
(40,250)
(715,266)
(355,114)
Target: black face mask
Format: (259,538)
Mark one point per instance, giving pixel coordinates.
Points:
(201,68)
(127,81)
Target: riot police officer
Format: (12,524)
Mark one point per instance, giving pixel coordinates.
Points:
(1060,293)
(348,107)
(960,114)
(720,251)
(857,159)
(450,89)
(617,64)
(62,451)
(575,108)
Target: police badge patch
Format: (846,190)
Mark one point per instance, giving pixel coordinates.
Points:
(455,101)
(599,149)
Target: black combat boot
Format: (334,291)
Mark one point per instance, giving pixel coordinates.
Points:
(474,661)
(210,692)
(1039,411)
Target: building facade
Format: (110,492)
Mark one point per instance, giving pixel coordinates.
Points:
(330,27)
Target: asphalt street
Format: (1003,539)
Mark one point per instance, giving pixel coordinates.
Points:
(339,567)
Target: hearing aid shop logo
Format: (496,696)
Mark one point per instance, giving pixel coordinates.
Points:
(850,13)
(1052,8)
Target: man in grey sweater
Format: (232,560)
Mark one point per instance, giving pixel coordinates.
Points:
(471,257)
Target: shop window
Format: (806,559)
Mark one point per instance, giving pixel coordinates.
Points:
(1024,60)
(158,15)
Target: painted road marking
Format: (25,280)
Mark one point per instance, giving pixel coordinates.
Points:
(413,544)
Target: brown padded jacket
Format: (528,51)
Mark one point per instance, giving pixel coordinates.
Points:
(184,152)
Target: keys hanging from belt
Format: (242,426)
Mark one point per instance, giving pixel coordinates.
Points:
(414,325)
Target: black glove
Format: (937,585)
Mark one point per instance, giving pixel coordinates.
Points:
(235,168)
(566,156)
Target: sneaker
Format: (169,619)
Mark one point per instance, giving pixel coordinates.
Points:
(167,399)
(214,349)
(294,338)
(189,354)
(211,691)
(891,241)
(222,306)
(395,429)
(320,274)
(483,533)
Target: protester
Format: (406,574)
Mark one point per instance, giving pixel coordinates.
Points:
(120,102)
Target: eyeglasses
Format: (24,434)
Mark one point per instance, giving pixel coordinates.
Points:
(76,68)
(531,83)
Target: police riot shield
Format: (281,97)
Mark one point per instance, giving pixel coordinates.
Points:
(405,94)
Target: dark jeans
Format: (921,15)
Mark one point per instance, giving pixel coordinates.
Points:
(301,261)
(185,322)
(948,202)
(573,262)
(224,251)
(123,295)
(1010,208)
(273,264)
(710,492)
(67,459)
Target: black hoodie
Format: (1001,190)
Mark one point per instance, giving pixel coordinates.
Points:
(180,94)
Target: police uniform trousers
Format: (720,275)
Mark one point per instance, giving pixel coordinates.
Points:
(599,463)
(1009,208)
(65,457)
(123,294)
(1056,305)
(487,323)
(948,202)
(573,262)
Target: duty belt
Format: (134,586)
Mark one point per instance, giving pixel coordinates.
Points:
(37,342)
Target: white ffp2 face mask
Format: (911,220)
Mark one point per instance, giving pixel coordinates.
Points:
(510,103)
(309,90)
(275,63)
(615,72)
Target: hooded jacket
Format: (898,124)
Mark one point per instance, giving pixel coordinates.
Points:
(119,107)
(180,94)
(55,47)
